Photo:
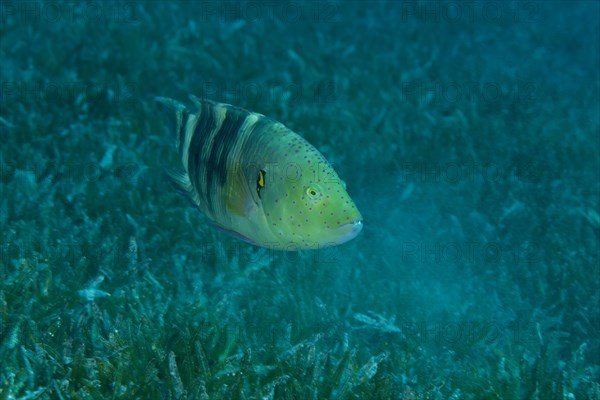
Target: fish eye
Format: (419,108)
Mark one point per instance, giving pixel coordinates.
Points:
(312,192)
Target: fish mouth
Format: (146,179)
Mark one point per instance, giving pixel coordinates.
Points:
(349,231)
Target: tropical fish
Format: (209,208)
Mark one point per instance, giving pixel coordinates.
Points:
(257,180)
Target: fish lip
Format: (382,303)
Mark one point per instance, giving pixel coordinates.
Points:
(348,231)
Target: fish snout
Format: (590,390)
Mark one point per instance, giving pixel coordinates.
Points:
(349,231)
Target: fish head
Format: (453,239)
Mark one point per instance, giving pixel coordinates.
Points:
(307,205)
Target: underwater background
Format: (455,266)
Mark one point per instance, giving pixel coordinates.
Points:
(468,136)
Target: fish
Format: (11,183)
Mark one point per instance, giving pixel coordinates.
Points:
(257,180)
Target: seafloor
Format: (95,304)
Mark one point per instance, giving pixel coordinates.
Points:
(467,133)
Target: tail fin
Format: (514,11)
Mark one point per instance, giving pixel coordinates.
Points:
(180,112)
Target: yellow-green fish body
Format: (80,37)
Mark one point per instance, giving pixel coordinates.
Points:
(258,180)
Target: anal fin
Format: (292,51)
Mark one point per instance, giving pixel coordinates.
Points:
(182,184)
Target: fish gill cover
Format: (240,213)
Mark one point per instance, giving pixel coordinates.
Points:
(467,134)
